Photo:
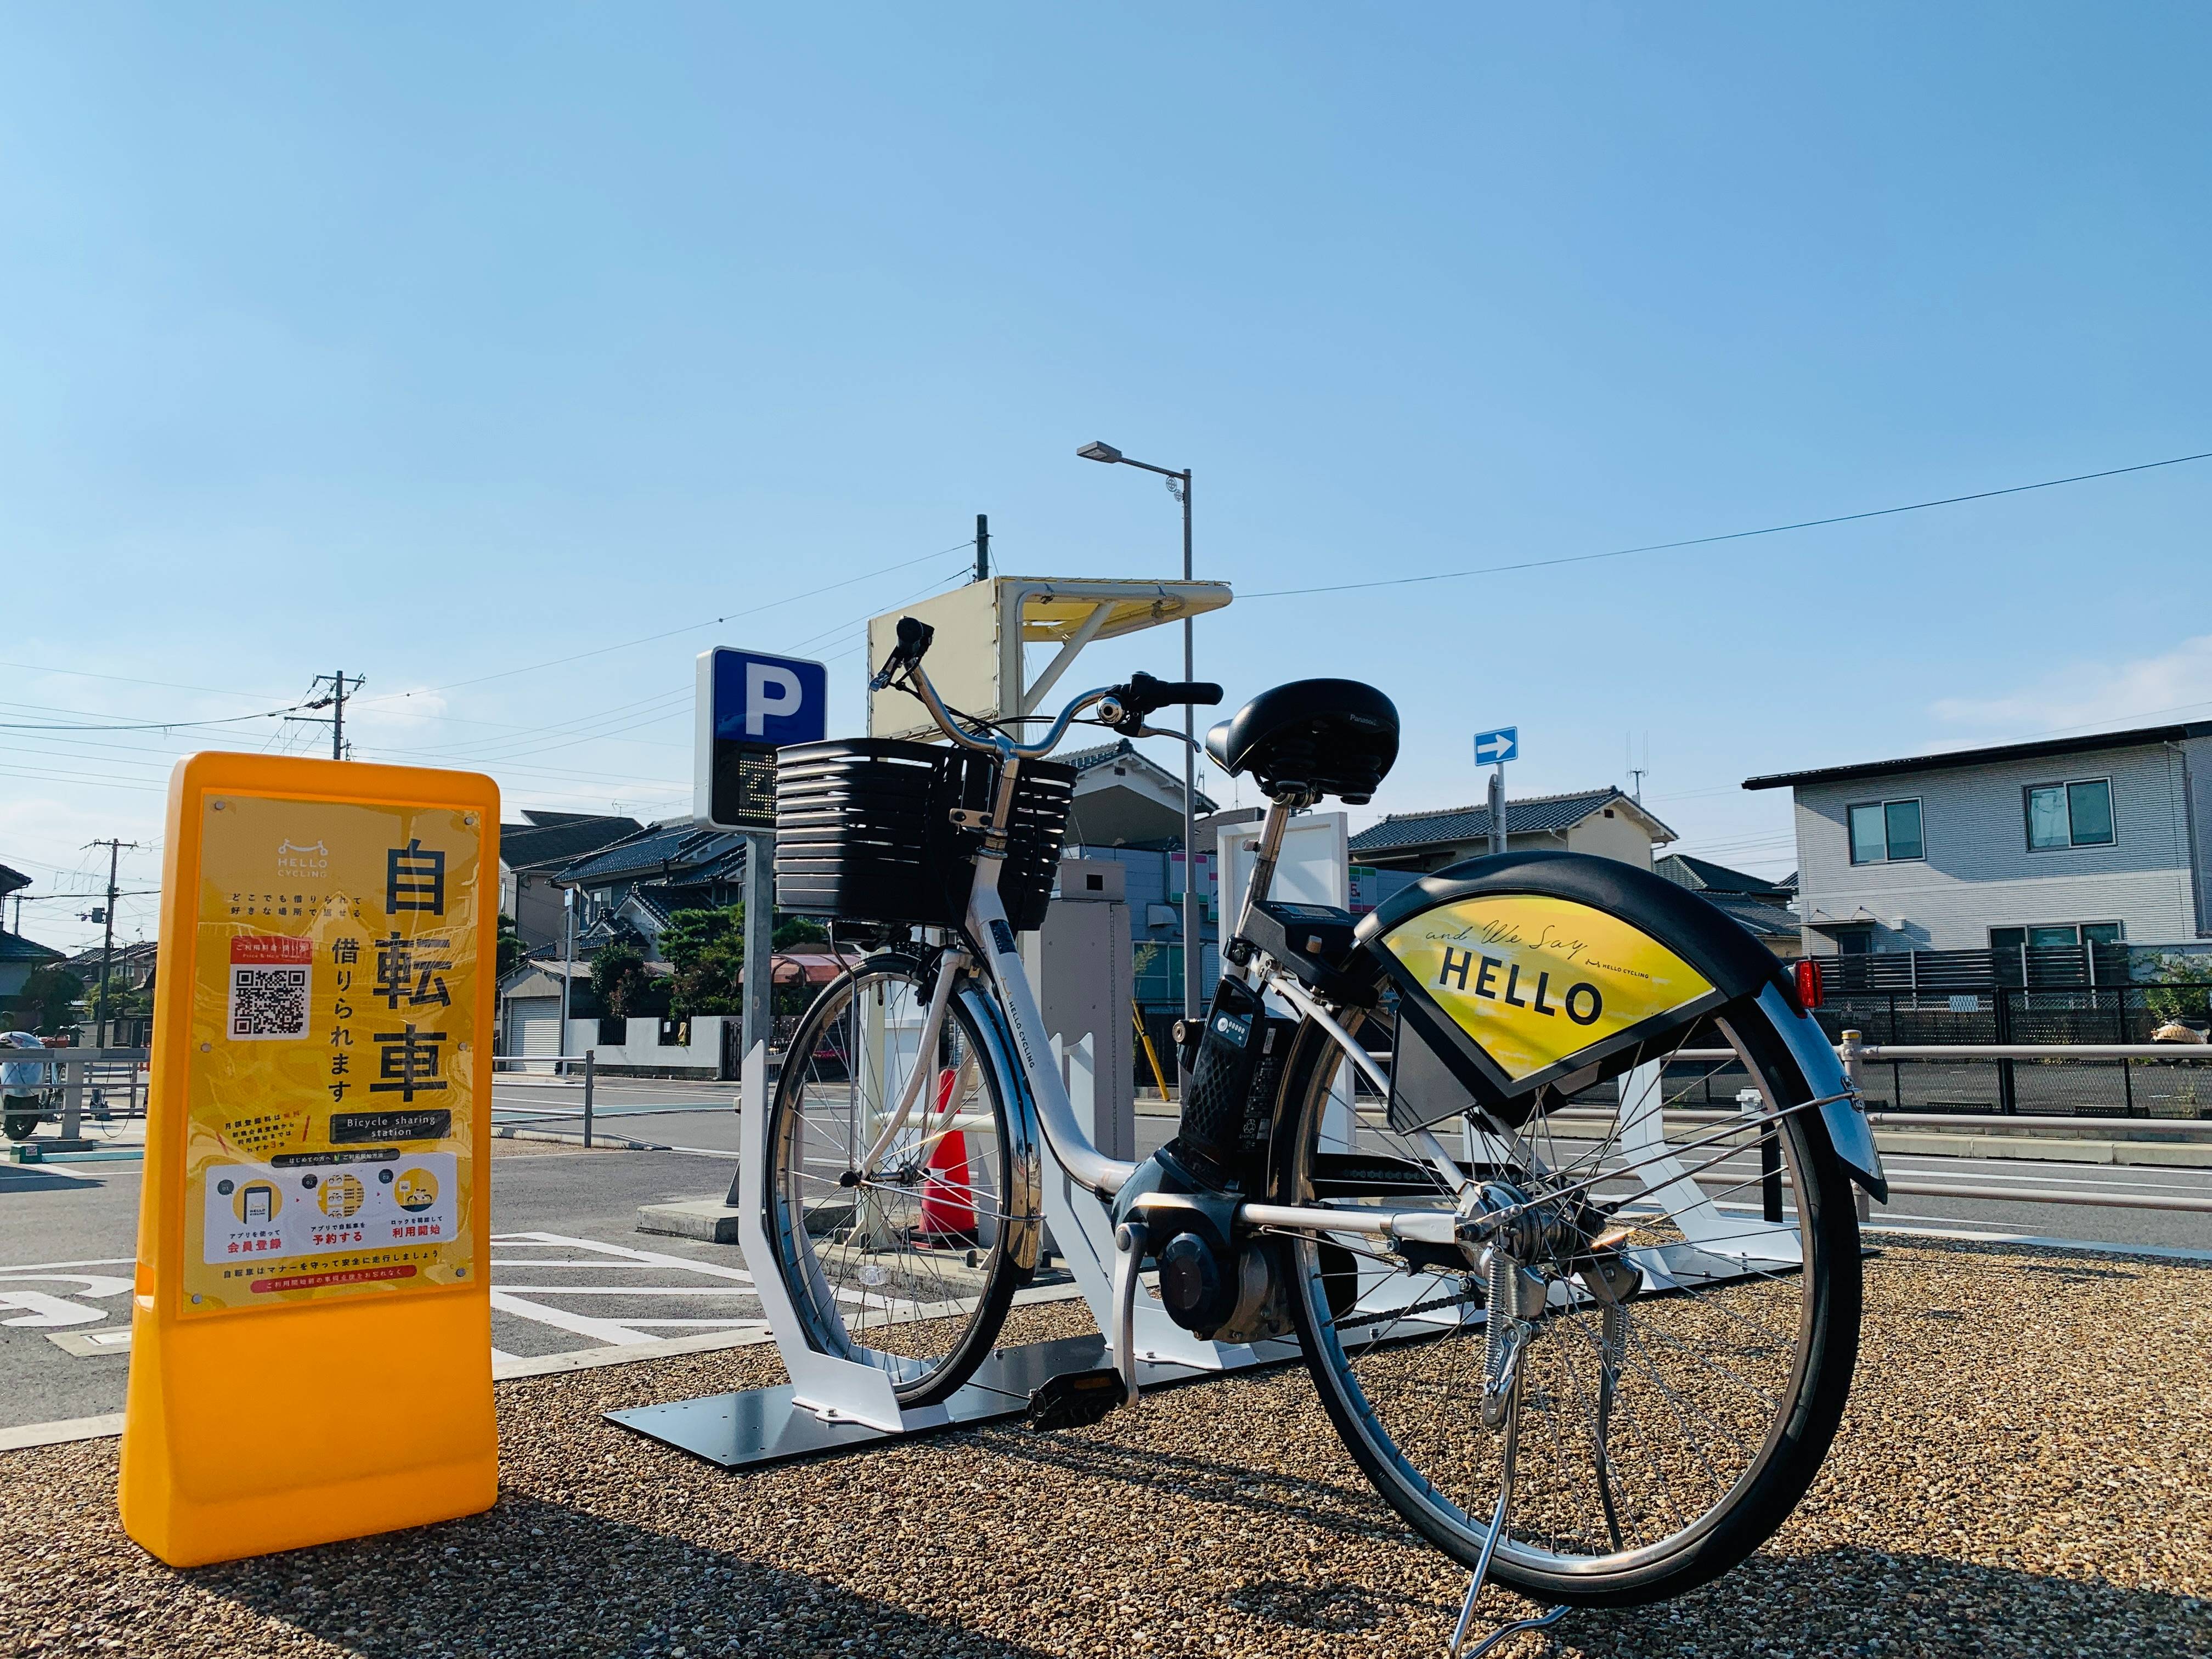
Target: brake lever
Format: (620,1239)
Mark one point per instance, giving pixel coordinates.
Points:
(1155,731)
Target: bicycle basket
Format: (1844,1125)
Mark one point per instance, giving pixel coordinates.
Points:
(864,831)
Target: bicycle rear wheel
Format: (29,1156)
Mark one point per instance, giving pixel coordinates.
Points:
(912,1262)
(1664,1432)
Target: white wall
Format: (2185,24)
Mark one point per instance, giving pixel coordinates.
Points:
(643,1045)
(1978,872)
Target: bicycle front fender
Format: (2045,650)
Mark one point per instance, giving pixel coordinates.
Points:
(1844,1118)
(1023,1204)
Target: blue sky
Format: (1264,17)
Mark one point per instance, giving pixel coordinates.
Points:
(439,345)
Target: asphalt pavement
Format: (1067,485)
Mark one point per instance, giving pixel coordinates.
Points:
(571,1273)
(569,1270)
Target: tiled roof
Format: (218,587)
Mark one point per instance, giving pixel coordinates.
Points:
(1454,825)
(14,947)
(657,901)
(1765,920)
(139,951)
(11,879)
(2047,748)
(1704,876)
(552,846)
(680,851)
(1083,760)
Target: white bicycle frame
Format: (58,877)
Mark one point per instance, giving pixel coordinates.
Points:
(1083,1180)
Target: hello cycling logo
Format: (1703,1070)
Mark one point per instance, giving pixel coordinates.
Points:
(293,860)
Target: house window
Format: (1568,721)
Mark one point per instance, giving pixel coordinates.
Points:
(1885,831)
(2063,936)
(2077,814)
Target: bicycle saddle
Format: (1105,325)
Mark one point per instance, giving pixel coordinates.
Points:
(1326,736)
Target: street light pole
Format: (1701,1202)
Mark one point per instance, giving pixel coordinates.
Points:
(1193,951)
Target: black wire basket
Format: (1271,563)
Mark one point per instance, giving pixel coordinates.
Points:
(864,831)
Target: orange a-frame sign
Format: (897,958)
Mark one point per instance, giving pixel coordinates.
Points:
(310,1344)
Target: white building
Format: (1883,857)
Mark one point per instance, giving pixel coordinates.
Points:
(2077,840)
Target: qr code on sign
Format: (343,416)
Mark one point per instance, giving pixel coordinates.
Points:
(268,1002)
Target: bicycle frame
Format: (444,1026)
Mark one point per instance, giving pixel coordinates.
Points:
(1103,1176)
(1040,1081)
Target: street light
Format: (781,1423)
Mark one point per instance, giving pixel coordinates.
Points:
(1193,954)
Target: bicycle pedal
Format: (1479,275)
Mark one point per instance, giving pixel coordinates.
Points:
(1075,1400)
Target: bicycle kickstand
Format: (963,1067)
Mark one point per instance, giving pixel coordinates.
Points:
(1130,1240)
(1498,1519)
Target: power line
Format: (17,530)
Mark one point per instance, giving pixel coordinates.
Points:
(688,627)
(335,700)
(162,726)
(1731,536)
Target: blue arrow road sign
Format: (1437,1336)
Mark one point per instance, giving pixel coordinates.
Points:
(1491,748)
(749,705)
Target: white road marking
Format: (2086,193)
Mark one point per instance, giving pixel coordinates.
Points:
(43,1310)
(514,1297)
(599,1330)
(44,1267)
(631,1290)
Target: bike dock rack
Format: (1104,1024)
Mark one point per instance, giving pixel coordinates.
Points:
(834,1404)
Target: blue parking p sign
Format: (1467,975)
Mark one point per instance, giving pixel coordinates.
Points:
(1494,748)
(749,705)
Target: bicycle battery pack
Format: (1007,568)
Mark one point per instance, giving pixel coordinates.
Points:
(1230,1101)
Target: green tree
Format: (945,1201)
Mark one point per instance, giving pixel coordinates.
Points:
(2184,988)
(510,946)
(625,990)
(706,948)
(50,995)
(799,930)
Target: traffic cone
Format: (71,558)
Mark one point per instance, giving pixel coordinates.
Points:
(948,1208)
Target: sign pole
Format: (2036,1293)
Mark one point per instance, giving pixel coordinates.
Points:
(760,934)
(1493,749)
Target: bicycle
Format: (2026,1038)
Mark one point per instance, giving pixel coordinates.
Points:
(1595,1351)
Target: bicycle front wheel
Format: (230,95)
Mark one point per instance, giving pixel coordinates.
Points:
(1666,1426)
(910,1258)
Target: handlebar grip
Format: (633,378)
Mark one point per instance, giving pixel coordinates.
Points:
(1203,692)
(913,638)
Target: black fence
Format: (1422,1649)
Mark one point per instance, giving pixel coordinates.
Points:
(2022,966)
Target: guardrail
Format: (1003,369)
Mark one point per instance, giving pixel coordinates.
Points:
(588,1059)
(74,1073)
(1856,1053)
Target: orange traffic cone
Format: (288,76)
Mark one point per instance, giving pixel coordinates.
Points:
(948,1208)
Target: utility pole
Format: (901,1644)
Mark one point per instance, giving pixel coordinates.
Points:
(335,700)
(567,969)
(983,547)
(107,943)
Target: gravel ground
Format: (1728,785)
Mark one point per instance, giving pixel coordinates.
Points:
(2026,1469)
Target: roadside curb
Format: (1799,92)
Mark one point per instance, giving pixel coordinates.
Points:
(2043,1149)
(505,1368)
(61,1432)
(615,1143)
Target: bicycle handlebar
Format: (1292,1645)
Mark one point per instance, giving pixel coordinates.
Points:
(913,638)
(1128,705)
(1124,705)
